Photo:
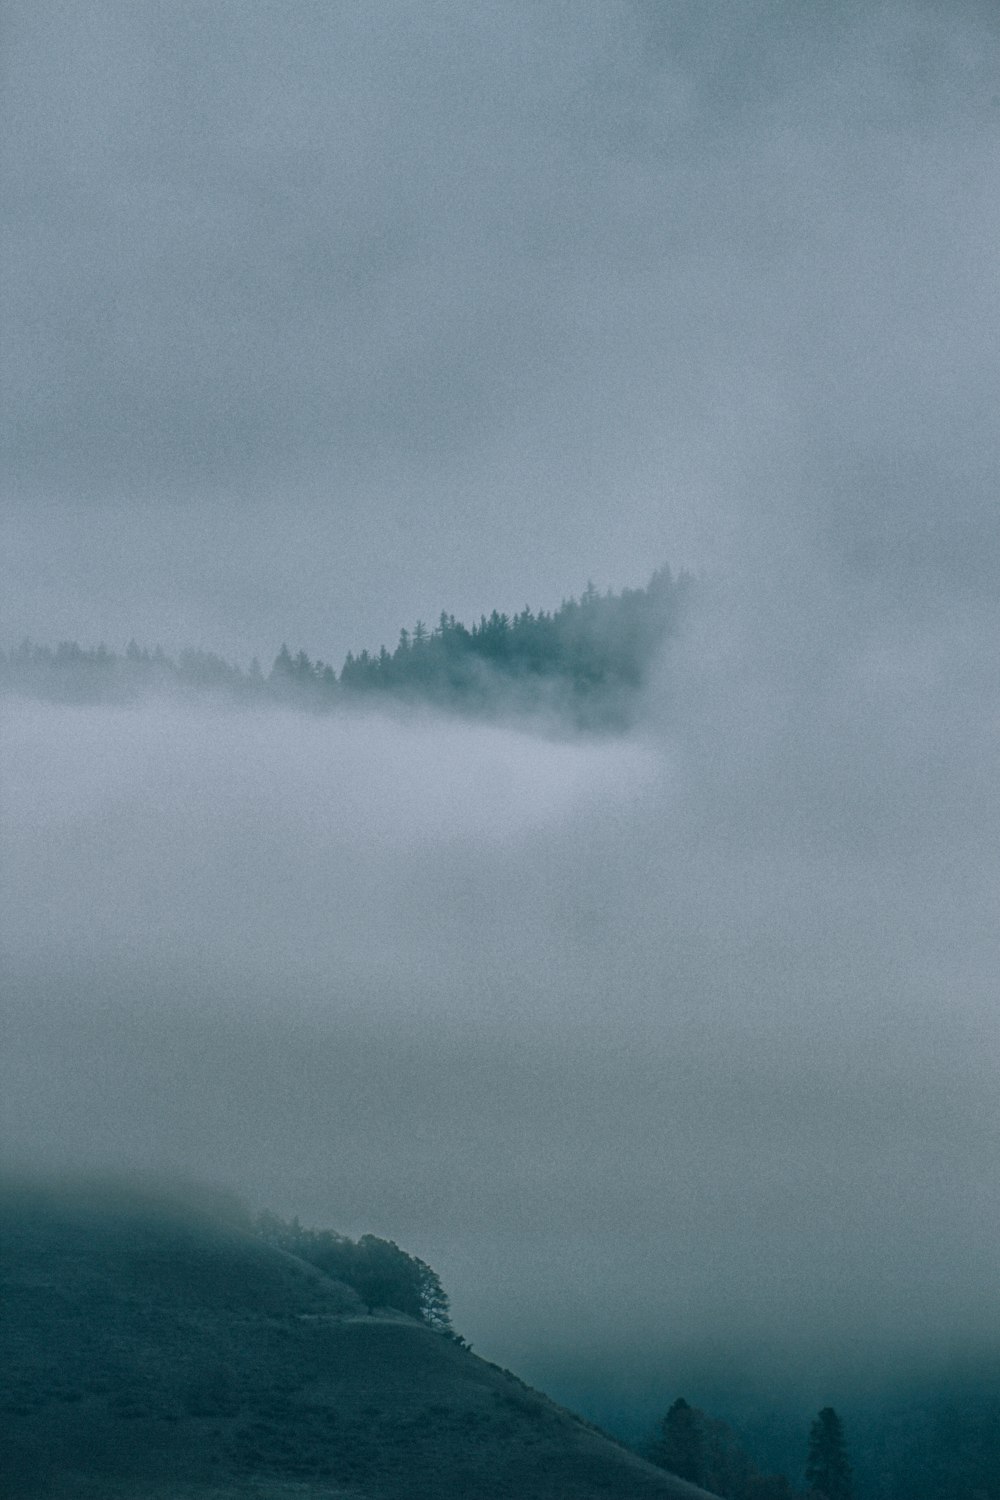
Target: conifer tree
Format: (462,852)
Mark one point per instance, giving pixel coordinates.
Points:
(681,1447)
(827,1471)
(283,667)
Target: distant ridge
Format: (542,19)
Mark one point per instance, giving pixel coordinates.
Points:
(586,661)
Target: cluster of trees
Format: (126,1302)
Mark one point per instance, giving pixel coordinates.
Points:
(707,1452)
(936,1442)
(591,654)
(382,1275)
(587,658)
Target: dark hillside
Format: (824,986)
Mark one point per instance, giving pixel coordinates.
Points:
(153,1351)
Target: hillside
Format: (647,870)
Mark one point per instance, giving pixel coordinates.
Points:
(151,1350)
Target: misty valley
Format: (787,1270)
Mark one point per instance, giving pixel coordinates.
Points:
(160,1340)
(499,750)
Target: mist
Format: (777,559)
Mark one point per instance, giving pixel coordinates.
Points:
(676,1043)
(674,1053)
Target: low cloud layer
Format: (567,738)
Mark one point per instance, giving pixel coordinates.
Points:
(658,1046)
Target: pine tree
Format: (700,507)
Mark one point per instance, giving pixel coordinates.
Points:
(827,1470)
(681,1447)
(283,665)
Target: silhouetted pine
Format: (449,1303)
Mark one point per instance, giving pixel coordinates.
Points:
(681,1445)
(707,1451)
(828,1472)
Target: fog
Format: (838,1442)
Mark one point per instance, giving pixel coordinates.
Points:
(677,1043)
(317,324)
(669,1051)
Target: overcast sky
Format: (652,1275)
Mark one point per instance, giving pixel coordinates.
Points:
(322,317)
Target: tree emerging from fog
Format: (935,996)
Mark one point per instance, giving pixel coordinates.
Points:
(828,1472)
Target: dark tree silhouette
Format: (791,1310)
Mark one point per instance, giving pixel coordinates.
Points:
(828,1472)
(708,1452)
(681,1445)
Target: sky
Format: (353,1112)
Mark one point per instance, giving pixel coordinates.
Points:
(673,1048)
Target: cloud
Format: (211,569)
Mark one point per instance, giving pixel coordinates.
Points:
(557,1015)
(318,325)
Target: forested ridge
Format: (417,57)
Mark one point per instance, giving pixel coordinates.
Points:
(587,660)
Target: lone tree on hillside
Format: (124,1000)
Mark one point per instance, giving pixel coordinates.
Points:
(380,1273)
(827,1471)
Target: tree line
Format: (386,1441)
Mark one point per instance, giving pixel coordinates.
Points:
(588,659)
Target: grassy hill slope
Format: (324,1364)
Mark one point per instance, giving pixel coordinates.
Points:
(150,1350)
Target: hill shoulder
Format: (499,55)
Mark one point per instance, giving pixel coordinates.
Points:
(154,1351)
